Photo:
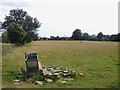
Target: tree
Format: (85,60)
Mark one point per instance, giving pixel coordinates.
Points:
(52,37)
(16,34)
(0,39)
(24,24)
(100,36)
(1,26)
(85,36)
(77,34)
(114,37)
(107,37)
(93,38)
(5,38)
(118,36)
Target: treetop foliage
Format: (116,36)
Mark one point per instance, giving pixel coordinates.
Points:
(76,35)
(19,22)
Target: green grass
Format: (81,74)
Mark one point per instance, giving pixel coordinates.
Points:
(0,66)
(98,61)
(7,48)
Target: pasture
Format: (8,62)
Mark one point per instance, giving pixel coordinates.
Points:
(98,61)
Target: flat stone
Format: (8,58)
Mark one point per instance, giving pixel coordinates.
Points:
(66,71)
(68,79)
(45,72)
(50,74)
(63,82)
(16,81)
(56,74)
(39,66)
(51,69)
(81,74)
(39,82)
(57,71)
(49,80)
(64,74)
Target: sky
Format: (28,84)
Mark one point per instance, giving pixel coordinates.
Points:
(62,17)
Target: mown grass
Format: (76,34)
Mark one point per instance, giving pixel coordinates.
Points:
(98,61)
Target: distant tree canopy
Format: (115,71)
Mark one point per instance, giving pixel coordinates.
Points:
(76,35)
(85,36)
(100,36)
(115,37)
(20,27)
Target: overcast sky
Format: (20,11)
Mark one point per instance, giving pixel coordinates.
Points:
(62,17)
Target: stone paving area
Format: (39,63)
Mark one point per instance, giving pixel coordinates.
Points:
(51,74)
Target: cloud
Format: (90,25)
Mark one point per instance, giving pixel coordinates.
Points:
(13,3)
(7,5)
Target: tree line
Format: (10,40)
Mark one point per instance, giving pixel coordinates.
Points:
(20,28)
(78,35)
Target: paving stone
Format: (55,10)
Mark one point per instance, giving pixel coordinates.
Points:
(16,81)
(68,79)
(49,80)
(39,82)
(50,74)
(81,74)
(57,71)
(64,74)
(51,69)
(39,66)
(63,82)
(45,72)
(65,71)
(56,74)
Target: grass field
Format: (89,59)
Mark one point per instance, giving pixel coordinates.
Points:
(98,61)
(0,66)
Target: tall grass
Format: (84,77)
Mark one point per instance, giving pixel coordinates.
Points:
(6,48)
